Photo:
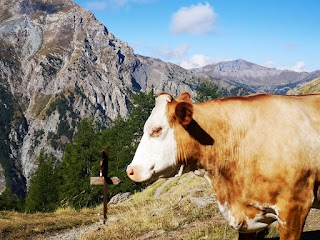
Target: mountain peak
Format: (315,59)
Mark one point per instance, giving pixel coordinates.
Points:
(238,65)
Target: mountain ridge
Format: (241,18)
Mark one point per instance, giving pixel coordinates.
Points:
(256,77)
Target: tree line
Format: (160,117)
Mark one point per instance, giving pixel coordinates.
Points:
(66,183)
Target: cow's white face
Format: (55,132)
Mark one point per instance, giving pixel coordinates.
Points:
(157,152)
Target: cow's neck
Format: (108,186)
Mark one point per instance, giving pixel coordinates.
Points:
(220,158)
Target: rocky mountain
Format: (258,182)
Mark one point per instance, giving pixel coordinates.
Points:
(58,65)
(255,77)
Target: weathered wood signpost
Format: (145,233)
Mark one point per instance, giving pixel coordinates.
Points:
(104,180)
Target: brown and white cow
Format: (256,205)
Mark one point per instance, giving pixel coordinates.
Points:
(260,153)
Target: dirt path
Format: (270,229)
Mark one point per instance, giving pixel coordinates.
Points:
(312,226)
(71,234)
(313,221)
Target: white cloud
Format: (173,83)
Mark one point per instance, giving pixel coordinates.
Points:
(269,64)
(298,67)
(176,53)
(196,19)
(200,60)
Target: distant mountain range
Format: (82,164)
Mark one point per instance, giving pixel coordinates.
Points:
(58,65)
(256,78)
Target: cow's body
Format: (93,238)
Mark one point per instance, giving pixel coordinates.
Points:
(261,154)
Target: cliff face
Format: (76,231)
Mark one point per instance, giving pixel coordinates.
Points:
(59,65)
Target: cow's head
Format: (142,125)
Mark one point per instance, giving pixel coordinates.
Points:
(160,152)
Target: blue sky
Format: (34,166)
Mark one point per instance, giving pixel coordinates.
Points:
(283,34)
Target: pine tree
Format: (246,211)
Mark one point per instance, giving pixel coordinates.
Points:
(206,91)
(43,193)
(79,159)
(9,201)
(141,106)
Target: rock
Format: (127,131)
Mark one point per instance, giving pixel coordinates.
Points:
(202,202)
(159,190)
(120,197)
(152,235)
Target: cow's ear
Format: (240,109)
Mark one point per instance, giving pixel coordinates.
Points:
(184,112)
(163,98)
(184,97)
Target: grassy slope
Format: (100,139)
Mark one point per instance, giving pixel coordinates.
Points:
(308,88)
(174,214)
(15,225)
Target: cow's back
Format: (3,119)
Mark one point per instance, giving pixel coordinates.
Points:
(268,127)
(271,140)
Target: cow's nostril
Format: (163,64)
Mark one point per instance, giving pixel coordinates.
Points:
(130,172)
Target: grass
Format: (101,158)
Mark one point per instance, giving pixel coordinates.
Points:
(308,88)
(40,104)
(15,225)
(217,232)
(172,215)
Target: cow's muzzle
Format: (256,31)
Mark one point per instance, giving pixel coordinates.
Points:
(138,174)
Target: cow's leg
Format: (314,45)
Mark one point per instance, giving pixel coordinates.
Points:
(294,211)
(292,222)
(292,229)
(288,233)
(247,236)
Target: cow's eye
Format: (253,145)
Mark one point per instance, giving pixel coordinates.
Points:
(156,131)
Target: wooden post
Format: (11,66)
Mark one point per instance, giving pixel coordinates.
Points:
(100,181)
(96,181)
(105,201)
(104,180)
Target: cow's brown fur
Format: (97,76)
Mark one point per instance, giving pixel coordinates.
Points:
(258,150)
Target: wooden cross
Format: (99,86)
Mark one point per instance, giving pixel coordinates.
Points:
(104,180)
